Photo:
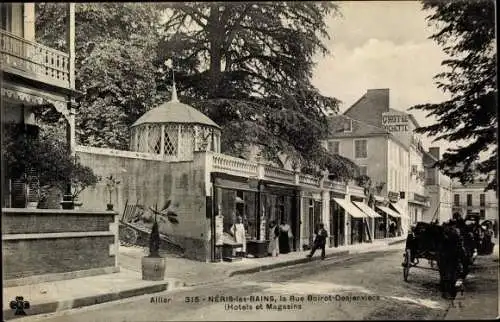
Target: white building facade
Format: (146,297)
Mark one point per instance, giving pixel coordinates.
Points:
(472,199)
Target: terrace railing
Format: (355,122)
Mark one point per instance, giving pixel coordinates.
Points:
(226,163)
(29,58)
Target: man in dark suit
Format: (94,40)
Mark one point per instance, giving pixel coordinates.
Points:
(320,241)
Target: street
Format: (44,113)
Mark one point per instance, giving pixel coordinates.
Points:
(362,286)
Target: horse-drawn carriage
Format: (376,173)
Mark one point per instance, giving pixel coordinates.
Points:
(449,248)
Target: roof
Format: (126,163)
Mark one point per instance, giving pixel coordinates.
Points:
(359,128)
(175,112)
(370,106)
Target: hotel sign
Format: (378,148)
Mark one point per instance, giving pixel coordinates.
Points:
(393,122)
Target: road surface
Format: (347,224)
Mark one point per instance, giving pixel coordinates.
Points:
(363,286)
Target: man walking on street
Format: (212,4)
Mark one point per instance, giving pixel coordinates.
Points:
(320,241)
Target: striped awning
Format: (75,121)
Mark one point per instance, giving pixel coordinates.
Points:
(350,208)
(367,210)
(398,209)
(389,211)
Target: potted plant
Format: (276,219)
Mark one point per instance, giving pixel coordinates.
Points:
(111,184)
(81,177)
(153,265)
(43,165)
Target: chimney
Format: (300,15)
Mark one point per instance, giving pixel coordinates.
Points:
(434,151)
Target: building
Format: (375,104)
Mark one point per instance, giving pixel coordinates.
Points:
(36,76)
(439,188)
(33,76)
(175,155)
(472,199)
(383,143)
(376,138)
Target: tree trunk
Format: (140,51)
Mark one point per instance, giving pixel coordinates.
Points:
(215,34)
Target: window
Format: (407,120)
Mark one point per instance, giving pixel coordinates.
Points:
(456,199)
(348,126)
(334,147)
(482,200)
(360,149)
(481,214)
(469,200)
(363,170)
(6,16)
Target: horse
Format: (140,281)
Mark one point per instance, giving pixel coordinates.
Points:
(458,249)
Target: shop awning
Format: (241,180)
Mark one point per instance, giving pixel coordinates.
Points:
(398,209)
(350,208)
(367,210)
(389,211)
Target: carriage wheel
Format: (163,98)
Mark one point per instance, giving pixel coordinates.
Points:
(406,264)
(130,236)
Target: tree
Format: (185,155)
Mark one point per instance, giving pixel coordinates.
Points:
(248,67)
(467,35)
(115,48)
(27,151)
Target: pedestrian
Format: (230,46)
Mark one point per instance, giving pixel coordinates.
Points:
(284,237)
(392,229)
(320,241)
(238,232)
(273,248)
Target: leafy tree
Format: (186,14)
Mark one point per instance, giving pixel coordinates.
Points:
(467,35)
(115,48)
(248,66)
(26,151)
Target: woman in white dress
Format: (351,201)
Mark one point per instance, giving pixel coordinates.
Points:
(273,249)
(238,231)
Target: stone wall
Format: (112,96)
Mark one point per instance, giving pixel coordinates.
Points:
(151,182)
(46,245)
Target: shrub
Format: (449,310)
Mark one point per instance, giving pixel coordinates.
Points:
(24,150)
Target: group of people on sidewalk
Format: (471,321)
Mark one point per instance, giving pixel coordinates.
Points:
(280,238)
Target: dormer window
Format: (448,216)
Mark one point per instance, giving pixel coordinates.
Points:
(348,126)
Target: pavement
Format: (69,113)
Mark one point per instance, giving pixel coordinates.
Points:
(180,272)
(481,296)
(364,286)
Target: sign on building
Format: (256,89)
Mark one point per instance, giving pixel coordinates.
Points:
(393,196)
(395,122)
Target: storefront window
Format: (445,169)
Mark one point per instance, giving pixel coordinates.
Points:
(233,203)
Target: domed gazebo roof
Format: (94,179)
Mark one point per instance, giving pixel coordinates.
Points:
(175,112)
(175,131)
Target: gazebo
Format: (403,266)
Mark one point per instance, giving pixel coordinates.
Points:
(174,130)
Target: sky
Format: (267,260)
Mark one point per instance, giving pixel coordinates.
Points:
(382,44)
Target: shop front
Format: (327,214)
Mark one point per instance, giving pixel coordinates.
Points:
(354,219)
(391,218)
(373,221)
(337,221)
(235,199)
(279,204)
(256,204)
(312,205)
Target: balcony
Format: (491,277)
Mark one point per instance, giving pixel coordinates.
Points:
(33,60)
(240,167)
(281,175)
(234,166)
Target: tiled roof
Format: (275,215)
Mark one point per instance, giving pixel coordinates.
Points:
(359,128)
(175,112)
(370,106)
